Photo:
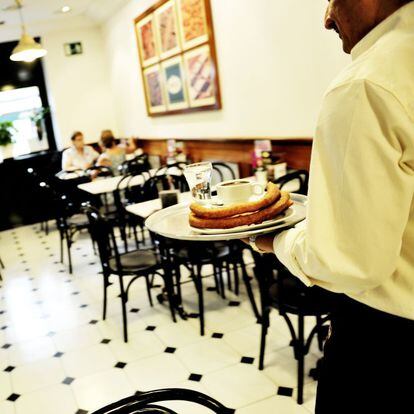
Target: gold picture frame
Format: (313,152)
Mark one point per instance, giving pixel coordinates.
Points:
(170,46)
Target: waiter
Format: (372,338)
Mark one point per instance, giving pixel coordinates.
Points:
(358,238)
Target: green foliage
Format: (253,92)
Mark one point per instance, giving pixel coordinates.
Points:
(6,131)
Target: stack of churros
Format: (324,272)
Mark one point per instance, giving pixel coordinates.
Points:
(268,207)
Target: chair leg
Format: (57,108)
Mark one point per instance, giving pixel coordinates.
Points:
(134,230)
(300,357)
(199,285)
(265,326)
(68,244)
(61,247)
(220,278)
(319,334)
(250,293)
(229,284)
(124,300)
(169,286)
(105,297)
(147,282)
(47,227)
(1,263)
(236,279)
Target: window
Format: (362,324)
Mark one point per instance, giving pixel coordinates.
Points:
(23,107)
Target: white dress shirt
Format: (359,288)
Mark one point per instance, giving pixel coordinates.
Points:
(358,237)
(73,160)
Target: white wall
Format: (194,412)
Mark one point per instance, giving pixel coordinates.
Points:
(275,61)
(78,86)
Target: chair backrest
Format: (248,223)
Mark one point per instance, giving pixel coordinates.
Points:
(302,176)
(136,165)
(157,183)
(222,172)
(102,233)
(100,170)
(147,402)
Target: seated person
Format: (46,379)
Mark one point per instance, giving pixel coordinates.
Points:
(79,156)
(113,155)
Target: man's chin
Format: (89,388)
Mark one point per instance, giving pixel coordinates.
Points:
(346,48)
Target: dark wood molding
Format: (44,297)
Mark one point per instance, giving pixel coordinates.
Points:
(296,151)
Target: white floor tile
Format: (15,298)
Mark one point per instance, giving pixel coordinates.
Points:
(5,386)
(89,361)
(238,385)
(98,390)
(50,400)
(159,371)
(37,375)
(7,407)
(208,355)
(31,351)
(276,404)
(140,345)
(78,338)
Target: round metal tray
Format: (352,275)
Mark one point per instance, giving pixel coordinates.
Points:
(172,222)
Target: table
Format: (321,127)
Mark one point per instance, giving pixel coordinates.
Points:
(110,184)
(146,208)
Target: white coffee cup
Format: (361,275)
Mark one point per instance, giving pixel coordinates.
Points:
(238,191)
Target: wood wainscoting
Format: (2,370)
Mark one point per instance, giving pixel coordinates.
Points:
(297,151)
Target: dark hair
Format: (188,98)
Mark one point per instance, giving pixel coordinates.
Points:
(108,141)
(75,134)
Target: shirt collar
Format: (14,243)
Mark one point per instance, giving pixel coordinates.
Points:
(391,22)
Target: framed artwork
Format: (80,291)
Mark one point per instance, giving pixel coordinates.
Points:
(147,41)
(154,89)
(178,57)
(193,22)
(167,29)
(175,89)
(200,77)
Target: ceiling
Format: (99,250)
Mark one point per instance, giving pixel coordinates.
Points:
(47,11)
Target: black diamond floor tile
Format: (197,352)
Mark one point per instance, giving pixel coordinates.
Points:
(134,310)
(286,391)
(120,365)
(195,377)
(58,354)
(93,322)
(9,369)
(247,360)
(234,303)
(170,350)
(217,335)
(81,412)
(68,380)
(150,328)
(13,397)
(105,341)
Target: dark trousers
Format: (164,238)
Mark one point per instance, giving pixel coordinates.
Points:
(368,364)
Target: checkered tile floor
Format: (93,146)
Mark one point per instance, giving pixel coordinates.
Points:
(58,356)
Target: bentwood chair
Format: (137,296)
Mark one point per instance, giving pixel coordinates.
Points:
(2,266)
(299,176)
(132,265)
(282,291)
(148,402)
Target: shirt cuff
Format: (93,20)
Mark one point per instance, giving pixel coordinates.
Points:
(284,244)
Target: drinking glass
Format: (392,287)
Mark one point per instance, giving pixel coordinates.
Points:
(198,177)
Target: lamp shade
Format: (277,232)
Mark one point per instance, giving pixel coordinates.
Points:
(27,50)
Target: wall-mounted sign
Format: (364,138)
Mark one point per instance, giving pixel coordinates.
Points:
(74,48)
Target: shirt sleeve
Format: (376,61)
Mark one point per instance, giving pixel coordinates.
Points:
(66,161)
(360,195)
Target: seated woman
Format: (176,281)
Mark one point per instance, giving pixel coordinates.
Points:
(113,155)
(79,156)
